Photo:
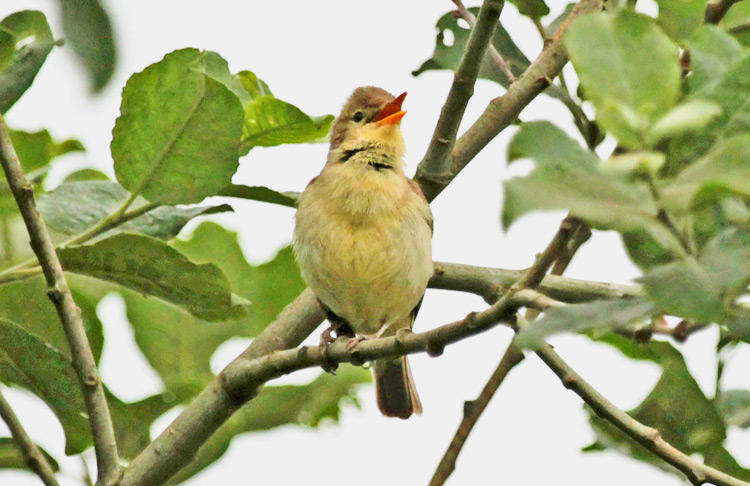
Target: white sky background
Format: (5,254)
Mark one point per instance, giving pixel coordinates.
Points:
(312,54)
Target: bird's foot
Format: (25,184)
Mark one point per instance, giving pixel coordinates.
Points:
(326,339)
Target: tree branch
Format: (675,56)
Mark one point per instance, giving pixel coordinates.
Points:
(32,456)
(433,173)
(501,111)
(696,472)
(569,237)
(473,410)
(70,315)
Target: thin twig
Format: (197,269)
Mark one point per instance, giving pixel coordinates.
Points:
(559,250)
(439,168)
(696,472)
(497,58)
(716,9)
(473,410)
(70,315)
(434,170)
(32,456)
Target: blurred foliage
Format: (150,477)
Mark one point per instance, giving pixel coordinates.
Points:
(676,190)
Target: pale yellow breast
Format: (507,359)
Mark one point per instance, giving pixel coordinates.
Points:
(364,246)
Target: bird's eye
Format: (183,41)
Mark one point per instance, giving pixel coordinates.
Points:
(358,116)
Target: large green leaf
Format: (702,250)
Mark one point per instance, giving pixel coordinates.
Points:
(712,53)
(25,41)
(276,406)
(87,28)
(734,407)
(730,92)
(152,267)
(684,288)
(269,286)
(722,171)
(632,75)
(178,345)
(676,407)
(74,207)
(30,362)
(448,55)
(270,121)
(566,177)
(679,18)
(600,314)
(702,288)
(535,9)
(549,146)
(177,139)
(11,457)
(26,303)
(36,150)
(737,21)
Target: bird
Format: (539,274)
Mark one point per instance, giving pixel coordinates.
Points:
(363,237)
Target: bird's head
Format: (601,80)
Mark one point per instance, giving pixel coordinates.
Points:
(368,129)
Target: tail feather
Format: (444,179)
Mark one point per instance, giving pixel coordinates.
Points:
(394,388)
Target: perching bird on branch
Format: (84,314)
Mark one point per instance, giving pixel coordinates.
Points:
(363,237)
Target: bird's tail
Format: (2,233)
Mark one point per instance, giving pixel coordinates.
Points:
(394,388)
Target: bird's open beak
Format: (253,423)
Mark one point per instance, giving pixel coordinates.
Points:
(392,113)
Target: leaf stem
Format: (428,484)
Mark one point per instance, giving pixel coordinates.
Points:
(70,316)
(32,456)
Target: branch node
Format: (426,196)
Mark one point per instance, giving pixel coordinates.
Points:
(569,381)
(435,349)
(469,407)
(55,294)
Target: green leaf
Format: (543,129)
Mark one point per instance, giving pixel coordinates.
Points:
(28,361)
(269,286)
(679,18)
(632,76)
(727,260)
(567,177)
(730,93)
(178,345)
(722,171)
(676,407)
(713,52)
(601,314)
(700,288)
(684,288)
(688,117)
(25,41)
(74,207)
(260,193)
(36,150)
(447,56)
(11,457)
(737,20)
(86,175)
(535,9)
(177,139)
(734,408)
(309,405)
(87,28)
(26,303)
(152,267)
(132,421)
(270,121)
(549,146)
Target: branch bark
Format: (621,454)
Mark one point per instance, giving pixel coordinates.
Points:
(559,252)
(696,472)
(33,457)
(433,173)
(70,315)
(501,111)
